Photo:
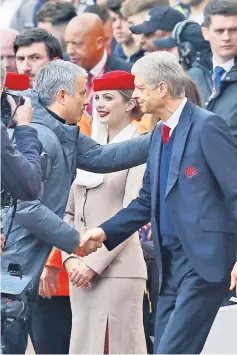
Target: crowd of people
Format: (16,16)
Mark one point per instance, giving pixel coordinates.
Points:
(134,231)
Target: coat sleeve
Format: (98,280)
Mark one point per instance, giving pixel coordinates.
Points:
(219,145)
(21,170)
(130,219)
(102,258)
(46,225)
(111,157)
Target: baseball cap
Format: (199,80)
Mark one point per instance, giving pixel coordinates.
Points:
(186,31)
(159,18)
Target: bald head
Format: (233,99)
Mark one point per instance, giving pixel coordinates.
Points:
(85,40)
(7,38)
(87,23)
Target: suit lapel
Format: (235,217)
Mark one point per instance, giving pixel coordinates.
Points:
(180,138)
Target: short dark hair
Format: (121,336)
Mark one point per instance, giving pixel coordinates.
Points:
(219,7)
(56,13)
(99,10)
(114,5)
(38,35)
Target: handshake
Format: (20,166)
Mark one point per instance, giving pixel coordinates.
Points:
(90,242)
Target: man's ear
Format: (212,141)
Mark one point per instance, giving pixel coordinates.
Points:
(163,89)
(60,97)
(131,105)
(100,42)
(205,33)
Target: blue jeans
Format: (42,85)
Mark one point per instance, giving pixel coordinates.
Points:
(14,338)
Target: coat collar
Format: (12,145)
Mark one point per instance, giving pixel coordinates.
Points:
(66,134)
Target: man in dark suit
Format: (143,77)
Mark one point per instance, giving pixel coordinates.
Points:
(190,195)
(85,41)
(86,46)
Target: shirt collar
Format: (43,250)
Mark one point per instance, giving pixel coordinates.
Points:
(174,118)
(227,65)
(60,119)
(95,72)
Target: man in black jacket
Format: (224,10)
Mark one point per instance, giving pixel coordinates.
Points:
(216,77)
(21,172)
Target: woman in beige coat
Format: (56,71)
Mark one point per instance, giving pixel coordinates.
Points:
(107,317)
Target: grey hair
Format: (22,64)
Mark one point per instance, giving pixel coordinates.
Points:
(3,74)
(55,76)
(162,66)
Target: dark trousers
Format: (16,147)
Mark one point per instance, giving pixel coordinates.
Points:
(14,338)
(51,325)
(187,306)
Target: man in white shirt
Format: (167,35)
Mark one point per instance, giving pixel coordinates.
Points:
(185,193)
(217,77)
(85,40)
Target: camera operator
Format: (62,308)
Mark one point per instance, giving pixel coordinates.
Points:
(21,171)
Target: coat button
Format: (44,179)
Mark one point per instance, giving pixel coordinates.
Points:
(82,220)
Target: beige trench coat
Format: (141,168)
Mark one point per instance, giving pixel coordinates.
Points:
(116,296)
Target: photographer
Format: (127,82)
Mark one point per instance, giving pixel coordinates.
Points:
(21,172)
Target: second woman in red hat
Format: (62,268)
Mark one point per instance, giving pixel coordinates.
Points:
(107,317)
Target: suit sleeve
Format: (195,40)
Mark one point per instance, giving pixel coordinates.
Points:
(111,157)
(220,150)
(21,170)
(130,219)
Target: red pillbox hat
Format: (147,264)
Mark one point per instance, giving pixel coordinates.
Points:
(114,80)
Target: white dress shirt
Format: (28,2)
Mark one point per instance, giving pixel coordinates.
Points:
(174,118)
(227,66)
(95,72)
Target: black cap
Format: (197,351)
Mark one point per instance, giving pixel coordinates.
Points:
(186,31)
(159,18)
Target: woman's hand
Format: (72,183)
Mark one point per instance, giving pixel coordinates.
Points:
(71,264)
(82,276)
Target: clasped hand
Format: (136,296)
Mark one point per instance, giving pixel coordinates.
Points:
(79,274)
(90,242)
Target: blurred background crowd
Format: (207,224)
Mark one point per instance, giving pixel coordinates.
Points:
(104,36)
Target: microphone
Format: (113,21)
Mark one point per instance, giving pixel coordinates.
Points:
(17,82)
(14,82)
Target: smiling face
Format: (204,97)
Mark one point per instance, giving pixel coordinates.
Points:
(111,107)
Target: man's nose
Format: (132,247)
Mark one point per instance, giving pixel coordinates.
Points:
(135,94)
(6,62)
(26,67)
(86,100)
(117,23)
(70,49)
(226,35)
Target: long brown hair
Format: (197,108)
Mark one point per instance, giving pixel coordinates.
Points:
(192,92)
